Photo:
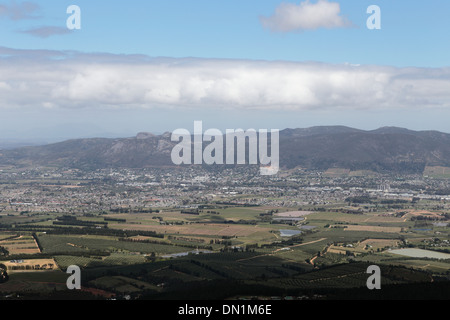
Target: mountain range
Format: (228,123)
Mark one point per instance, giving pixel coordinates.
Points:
(388,149)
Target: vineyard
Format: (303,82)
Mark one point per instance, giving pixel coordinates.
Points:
(57,244)
(228,252)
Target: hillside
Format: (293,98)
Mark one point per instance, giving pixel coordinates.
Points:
(384,149)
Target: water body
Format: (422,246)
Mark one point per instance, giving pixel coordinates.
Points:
(289,219)
(289,233)
(307,227)
(440,224)
(420,253)
(184,254)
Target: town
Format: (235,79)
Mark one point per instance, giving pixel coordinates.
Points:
(37,190)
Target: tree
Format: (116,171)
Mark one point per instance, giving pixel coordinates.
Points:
(3,274)
(4,251)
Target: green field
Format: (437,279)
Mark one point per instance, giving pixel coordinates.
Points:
(123,253)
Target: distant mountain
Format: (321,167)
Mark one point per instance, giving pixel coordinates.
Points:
(306,132)
(387,149)
(18,143)
(140,151)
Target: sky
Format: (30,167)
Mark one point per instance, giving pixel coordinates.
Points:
(157,66)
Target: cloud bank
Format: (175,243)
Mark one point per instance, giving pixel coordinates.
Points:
(290,17)
(57,79)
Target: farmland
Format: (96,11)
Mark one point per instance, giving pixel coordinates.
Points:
(240,250)
(291,243)
(36,265)
(19,244)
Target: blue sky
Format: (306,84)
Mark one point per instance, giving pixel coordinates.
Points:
(414,33)
(329,67)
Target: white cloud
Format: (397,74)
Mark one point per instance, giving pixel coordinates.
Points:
(289,17)
(52,79)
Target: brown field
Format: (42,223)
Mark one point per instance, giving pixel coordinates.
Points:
(377,243)
(344,250)
(197,229)
(374,229)
(423,213)
(20,245)
(386,218)
(338,250)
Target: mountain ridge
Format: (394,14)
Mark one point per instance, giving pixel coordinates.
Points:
(387,149)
